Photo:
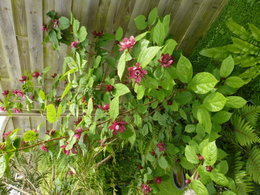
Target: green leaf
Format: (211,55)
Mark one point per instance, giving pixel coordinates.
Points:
(210,153)
(30,135)
(183,97)
(184,69)
(149,82)
(169,46)
(199,188)
(75,27)
(66,90)
(204,119)
(52,14)
(163,162)
(82,34)
(222,167)
(2,166)
(190,128)
(140,22)
(121,65)
(191,155)
(147,54)
(90,106)
(219,178)
(119,33)
(114,108)
(214,102)
(139,90)
(158,33)
(235,102)
(222,117)
(41,94)
(139,37)
(203,82)
(152,16)
(64,23)
(227,67)
(121,89)
(51,113)
(59,110)
(235,82)
(229,193)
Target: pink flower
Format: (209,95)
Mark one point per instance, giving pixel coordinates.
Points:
(2,109)
(16,110)
(209,168)
(157,180)
(6,134)
(166,60)
(109,88)
(118,126)
(105,107)
(77,136)
(161,146)
(50,132)
(200,157)
(74,44)
(73,150)
(5,93)
(97,34)
(152,153)
(54,75)
(36,74)
(24,78)
(146,188)
(55,23)
(79,130)
(18,92)
(66,152)
(44,148)
(127,43)
(137,73)
(44,28)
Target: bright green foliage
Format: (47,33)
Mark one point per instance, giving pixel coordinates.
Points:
(184,69)
(253,164)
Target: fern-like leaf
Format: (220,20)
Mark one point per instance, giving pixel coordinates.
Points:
(238,30)
(250,114)
(244,132)
(253,164)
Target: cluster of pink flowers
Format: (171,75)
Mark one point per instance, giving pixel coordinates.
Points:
(118,126)
(24,78)
(161,146)
(78,133)
(18,92)
(146,188)
(5,93)
(137,73)
(127,43)
(166,60)
(67,152)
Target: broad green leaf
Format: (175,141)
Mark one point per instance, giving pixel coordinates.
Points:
(139,37)
(149,82)
(203,82)
(30,135)
(222,167)
(214,102)
(184,69)
(73,109)
(121,65)
(210,153)
(190,128)
(64,23)
(221,117)
(75,26)
(114,108)
(219,178)
(199,187)
(158,33)
(97,61)
(163,162)
(119,33)
(204,119)
(152,16)
(2,166)
(90,106)
(121,89)
(66,90)
(51,113)
(235,82)
(140,22)
(82,34)
(191,155)
(227,67)
(147,54)
(139,90)
(169,46)
(42,95)
(183,97)
(59,110)
(235,102)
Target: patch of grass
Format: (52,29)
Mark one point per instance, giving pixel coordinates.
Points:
(242,12)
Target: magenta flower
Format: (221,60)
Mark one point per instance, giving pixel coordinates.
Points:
(36,74)
(109,88)
(2,109)
(18,92)
(24,78)
(5,93)
(74,44)
(97,34)
(66,152)
(166,60)
(105,107)
(77,136)
(118,126)
(209,168)
(6,134)
(146,188)
(73,150)
(79,130)
(44,28)
(16,110)
(127,43)
(152,153)
(55,23)
(157,180)
(54,75)
(161,146)
(44,148)
(137,73)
